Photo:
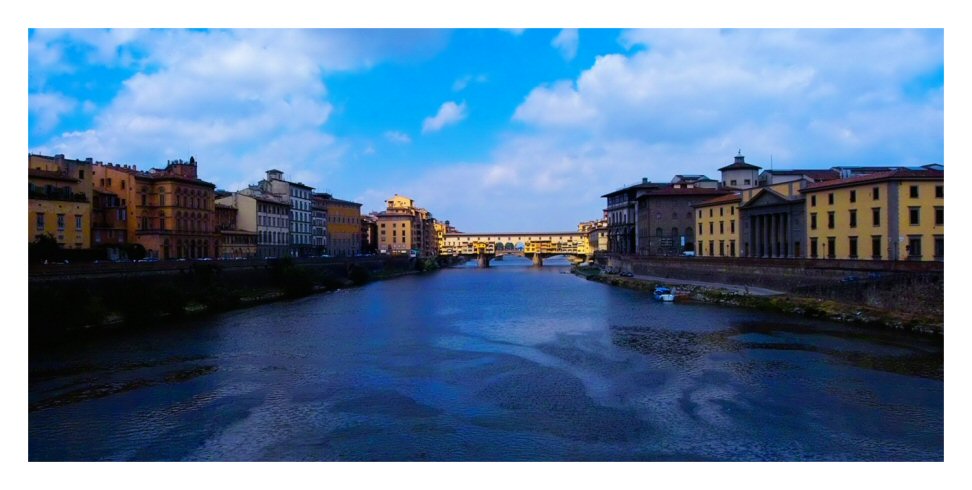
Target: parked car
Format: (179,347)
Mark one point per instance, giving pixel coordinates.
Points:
(688,253)
(627,274)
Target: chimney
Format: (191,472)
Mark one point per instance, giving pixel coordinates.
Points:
(87,160)
(644,180)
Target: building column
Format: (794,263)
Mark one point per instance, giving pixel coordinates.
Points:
(776,234)
(786,235)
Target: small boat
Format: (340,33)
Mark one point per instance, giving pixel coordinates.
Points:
(664,294)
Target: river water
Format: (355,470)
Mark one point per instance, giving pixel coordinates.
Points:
(509,363)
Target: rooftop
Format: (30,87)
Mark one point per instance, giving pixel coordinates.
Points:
(899,174)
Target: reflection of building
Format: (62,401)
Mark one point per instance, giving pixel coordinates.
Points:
(170,211)
(59,194)
(343,225)
(406,229)
(893,215)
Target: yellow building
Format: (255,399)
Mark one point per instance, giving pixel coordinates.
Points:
(59,200)
(896,215)
(718,233)
(343,222)
(406,229)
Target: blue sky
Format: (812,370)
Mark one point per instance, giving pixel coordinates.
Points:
(491,129)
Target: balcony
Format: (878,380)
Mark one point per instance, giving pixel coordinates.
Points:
(55,194)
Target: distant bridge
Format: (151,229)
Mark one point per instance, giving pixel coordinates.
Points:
(536,246)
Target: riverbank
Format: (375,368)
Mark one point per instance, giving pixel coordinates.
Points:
(741,296)
(62,309)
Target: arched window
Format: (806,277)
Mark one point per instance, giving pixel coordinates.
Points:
(658,231)
(674,232)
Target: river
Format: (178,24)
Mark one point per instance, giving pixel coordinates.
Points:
(510,363)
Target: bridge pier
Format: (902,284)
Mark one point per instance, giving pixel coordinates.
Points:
(537,260)
(483,260)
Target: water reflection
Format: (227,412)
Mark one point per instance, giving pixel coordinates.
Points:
(503,364)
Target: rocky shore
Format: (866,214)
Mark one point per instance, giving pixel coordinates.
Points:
(826,309)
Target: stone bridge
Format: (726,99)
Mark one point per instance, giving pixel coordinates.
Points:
(534,245)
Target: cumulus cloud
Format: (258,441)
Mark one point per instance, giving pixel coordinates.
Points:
(449,113)
(46,109)
(240,101)
(397,137)
(686,104)
(566,42)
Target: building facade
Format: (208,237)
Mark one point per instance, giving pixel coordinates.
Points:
(717,226)
(369,234)
(232,242)
(666,219)
(301,215)
(318,224)
(170,211)
(739,174)
(622,216)
(271,220)
(406,229)
(59,200)
(894,215)
(343,226)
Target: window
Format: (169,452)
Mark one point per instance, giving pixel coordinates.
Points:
(710,213)
(876,216)
(658,231)
(830,220)
(876,247)
(711,247)
(711,227)
(722,211)
(813,221)
(77,222)
(722,248)
(123,185)
(852,245)
(101,182)
(939,216)
(162,222)
(853,218)
(831,247)
(700,227)
(732,210)
(876,193)
(746,182)
(80,174)
(939,191)
(914,247)
(914,216)
(60,222)
(830,198)
(813,201)
(722,228)
(109,181)
(732,182)
(40,222)
(853,196)
(732,226)
(700,213)
(813,248)
(913,192)
(939,247)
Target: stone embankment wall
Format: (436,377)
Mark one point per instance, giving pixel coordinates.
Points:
(908,287)
(78,297)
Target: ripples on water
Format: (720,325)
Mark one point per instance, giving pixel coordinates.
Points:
(505,364)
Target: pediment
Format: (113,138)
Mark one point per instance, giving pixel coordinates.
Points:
(766,197)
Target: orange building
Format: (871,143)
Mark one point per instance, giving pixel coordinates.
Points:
(59,197)
(170,211)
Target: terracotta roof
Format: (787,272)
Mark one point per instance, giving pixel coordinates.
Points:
(719,200)
(900,174)
(815,174)
(640,185)
(681,191)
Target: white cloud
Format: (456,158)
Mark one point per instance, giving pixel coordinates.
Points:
(449,113)
(566,42)
(397,137)
(47,109)
(240,101)
(514,31)
(461,83)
